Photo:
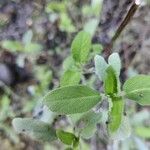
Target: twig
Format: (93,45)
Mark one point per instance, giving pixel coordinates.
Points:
(126,20)
(122,26)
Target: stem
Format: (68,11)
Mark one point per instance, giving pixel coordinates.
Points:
(122,26)
(126,20)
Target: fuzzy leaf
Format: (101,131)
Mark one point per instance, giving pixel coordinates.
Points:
(72,99)
(138,89)
(100,67)
(124,130)
(81,46)
(110,83)
(36,129)
(115,62)
(69,63)
(115,115)
(70,77)
(85,123)
(89,121)
(67,137)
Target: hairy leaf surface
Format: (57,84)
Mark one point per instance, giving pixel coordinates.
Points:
(115,62)
(81,46)
(67,138)
(100,67)
(138,89)
(36,129)
(72,99)
(115,115)
(110,83)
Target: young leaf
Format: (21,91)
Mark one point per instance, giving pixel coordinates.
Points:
(100,67)
(70,77)
(110,83)
(66,23)
(67,137)
(88,123)
(38,130)
(115,115)
(124,130)
(72,99)
(81,46)
(115,62)
(69,64)
(138,89)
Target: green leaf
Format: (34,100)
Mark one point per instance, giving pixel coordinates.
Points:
(72,99)
(115,62)
(143,132)
(138,89)
(81,46)
(67,137)
(100,67)
(32,47)
(55,7)
(69,64)
(110,83)
(124,131)
(36,129)
(12,45)
(66,23)
(115,115)
(70,77)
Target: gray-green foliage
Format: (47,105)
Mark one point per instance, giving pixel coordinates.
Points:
(81,100)
(115,114)
(38,130)
(138,89)
(100,67)
(114,61)
(72,99)
(86,123)
(124,130)
(81,46)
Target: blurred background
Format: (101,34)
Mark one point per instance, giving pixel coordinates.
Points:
(35,39)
